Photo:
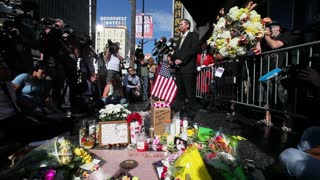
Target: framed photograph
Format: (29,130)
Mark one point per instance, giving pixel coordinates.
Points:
(113,132)
(180,143)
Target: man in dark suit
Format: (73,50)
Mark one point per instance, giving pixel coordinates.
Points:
(185,53)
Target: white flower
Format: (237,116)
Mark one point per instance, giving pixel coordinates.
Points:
(114,112)
(233,13)
(236,32)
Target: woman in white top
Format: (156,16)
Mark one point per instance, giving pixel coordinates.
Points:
(113,92)
(113,59)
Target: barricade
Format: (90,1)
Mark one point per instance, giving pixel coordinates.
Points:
(240,83)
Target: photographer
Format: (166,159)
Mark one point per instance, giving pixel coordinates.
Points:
(113,59)
(60,57)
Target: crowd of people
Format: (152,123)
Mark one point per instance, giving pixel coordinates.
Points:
(67,76)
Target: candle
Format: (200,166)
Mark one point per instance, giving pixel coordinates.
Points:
(185,125)
(170,139)
(177,124)
(172,129)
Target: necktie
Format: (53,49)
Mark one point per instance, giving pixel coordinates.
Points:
(181,42)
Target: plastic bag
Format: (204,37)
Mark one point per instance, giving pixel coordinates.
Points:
(205,133)
(191,165)
(54,153)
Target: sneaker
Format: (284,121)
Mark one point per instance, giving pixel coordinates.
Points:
(231,113)
(285,129)
(263,121)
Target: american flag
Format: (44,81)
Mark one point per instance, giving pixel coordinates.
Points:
(165,87)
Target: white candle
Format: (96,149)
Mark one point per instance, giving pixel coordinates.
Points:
(185,125)
(172,129)
(170,139)
(177,123)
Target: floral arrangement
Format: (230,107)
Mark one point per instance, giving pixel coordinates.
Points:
(113,112)
(221,146)
(237,31)
(215,148)
(134,117)
(220,151)
(56,157)
(169,170)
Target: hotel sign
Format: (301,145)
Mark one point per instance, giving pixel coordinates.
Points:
(112,21)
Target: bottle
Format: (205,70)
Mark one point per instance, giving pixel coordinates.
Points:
(92,129)
(151,132)
(167,124)
(142,144)
(82,133)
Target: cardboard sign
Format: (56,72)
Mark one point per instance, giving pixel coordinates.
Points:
(159,117)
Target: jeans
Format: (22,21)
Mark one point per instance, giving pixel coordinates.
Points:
(298,163)
(145,82)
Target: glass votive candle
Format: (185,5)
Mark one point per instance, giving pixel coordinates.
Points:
(89,142)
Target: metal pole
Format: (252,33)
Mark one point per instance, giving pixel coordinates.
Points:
(142,32)
(90,19)
(133,32)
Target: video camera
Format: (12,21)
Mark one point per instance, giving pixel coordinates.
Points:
(113,47)
(163,47)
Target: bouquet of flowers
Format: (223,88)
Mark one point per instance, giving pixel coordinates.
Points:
(219,151)
(45,160)
(237,31)
(113,112)
(134,117)
(169,170)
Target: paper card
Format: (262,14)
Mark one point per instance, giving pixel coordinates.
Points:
(90,166)
(219,72)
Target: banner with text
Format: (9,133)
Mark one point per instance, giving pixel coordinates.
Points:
(148,27)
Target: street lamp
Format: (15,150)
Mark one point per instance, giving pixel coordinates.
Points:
(142,30)
(133,31)
(99,29)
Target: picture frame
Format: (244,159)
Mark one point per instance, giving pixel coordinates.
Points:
(113,132)
(180,143)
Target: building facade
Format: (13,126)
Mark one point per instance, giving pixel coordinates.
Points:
(115,34)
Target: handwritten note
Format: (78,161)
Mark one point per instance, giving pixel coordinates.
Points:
(116,132)
(159,116)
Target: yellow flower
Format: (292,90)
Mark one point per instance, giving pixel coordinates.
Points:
(190,132)
(77,151)
(88,161)
(65,159)
(239,137)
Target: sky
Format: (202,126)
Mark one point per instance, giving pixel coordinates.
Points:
(160,10)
